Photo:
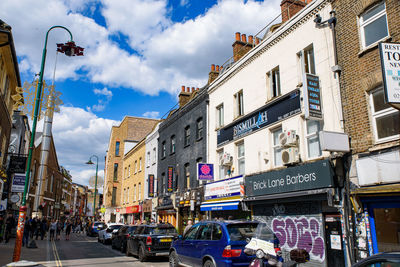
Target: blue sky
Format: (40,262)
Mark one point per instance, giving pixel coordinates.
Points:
(138,54)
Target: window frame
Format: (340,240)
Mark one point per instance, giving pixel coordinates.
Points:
(219,118)
(240,158)
(239,105)
(186,136)
(276,146)
(274,92)
(199,128)
(186,172)
(221,168)
(313,135)
(302,55)
(115,174)
(172,145)
(117,146)
(163,150)
(363,23)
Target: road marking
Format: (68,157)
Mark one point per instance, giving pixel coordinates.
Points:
(55,253)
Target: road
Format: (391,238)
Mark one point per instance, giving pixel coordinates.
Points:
(82,250)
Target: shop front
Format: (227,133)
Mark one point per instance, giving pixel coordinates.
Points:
(132,214)
(223,199)
(188,204)
(146,210)
(166,211)
(300,206)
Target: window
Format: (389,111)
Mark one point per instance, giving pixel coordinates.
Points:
(127,201)
(187,136)
(217,232)
(135,166)
(373,25)
(126,172)
(386,120)
(117,148)
(115,171)
(172,147)
(240,158)
(274,83)
(124,196)
(51,183)
(163,150)
(220,116)
(164,183)
(306,58)
(154,155)
(205,231)
(140,164)
(277,147)
(239,110)
(134,193)
(313,147)
(140,191)
(187,175)
(221,167)
(129,170)
(114,196)
(191,233)
(148,159)
(199,130)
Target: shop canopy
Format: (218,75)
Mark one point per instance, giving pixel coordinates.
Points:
(233,205)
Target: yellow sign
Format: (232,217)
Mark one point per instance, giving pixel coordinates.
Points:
(103,210)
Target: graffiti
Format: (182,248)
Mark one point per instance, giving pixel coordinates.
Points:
(278,210)
(300,232)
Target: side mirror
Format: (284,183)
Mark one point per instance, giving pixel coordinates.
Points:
(299,255)
(180,237)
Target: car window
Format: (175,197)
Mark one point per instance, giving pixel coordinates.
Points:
(139,230)
(217,232)
(382,263)
(241,231)
(132,229)
(162,230)
(113,227)
(205,232)
(191,233)
(123,229)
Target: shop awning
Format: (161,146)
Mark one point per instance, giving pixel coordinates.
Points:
(378,189)
(234,205)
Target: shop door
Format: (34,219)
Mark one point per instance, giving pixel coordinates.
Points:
(334,242)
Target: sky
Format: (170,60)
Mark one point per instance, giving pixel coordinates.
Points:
(138,54)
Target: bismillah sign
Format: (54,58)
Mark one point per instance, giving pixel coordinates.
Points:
(309,176)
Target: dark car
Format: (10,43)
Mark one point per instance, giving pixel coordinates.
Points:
(151,240)
(386,259)
(94,228)
(118,239)
(213,243)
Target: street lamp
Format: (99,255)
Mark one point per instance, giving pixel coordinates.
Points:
(70,49)
(90,162)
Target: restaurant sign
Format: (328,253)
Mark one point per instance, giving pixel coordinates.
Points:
(205,171)
(151,185)
(390,64)
(227,189)
(309,176)
(170,181)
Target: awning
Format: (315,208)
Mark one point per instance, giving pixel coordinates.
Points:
(378,189)
(220,206)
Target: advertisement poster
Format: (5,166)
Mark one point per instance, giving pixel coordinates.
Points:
(18,183)
(390,64)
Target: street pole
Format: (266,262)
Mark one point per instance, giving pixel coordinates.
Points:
(95,183)
(22,210)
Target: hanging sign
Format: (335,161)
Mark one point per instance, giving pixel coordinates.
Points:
(390,64)
(151,185)
(18,183)
(312,97)
(205,171)
(17,164)
(170,181)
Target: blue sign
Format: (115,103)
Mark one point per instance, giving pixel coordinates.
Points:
(220,206)
(205,171)
(18,184)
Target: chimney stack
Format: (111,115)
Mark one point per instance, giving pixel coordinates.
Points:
(213,73)
(289,8)
(241,47)
(184,96)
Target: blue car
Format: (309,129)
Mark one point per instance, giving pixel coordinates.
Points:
(213,244)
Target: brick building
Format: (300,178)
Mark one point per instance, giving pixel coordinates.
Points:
(373,125)
(122,138)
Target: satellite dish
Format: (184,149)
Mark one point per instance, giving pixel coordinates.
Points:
(92,181)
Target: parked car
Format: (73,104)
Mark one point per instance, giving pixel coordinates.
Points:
(151,240)
(93,230)
(119,238)
(385,259)
(104,235)
(213,243)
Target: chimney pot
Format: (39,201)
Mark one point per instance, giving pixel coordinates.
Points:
(251,39)
(212,67)
(237,36)
(192,89)
(257,40)
(197,89)
(183,88)
(217,68)
(244,38)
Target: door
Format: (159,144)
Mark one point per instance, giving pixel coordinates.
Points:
(135,239)
(334,241)
(187,248)
(202,243)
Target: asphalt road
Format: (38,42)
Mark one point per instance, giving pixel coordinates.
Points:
(82,250)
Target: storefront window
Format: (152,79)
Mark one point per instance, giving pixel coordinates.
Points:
(387,227)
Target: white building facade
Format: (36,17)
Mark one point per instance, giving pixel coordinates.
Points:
(151,168)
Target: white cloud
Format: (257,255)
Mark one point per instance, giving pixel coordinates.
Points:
(104,92)
(152,114)
(101,103)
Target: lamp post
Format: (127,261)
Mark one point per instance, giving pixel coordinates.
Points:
(70,49)
(95,182)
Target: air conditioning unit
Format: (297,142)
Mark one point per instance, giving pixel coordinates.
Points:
(225,159)
(288,138)
(290,155)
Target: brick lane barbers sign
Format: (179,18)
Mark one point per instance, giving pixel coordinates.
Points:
(275,111)
(312,97)
(151,185)
(170,181)
(390,64)
(309,176)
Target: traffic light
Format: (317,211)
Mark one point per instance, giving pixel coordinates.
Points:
(70,49)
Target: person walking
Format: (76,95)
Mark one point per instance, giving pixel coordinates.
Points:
(58,230)
(27,232)
(68,229)
(43,228)
(53,228)
(188,226)
(10,222)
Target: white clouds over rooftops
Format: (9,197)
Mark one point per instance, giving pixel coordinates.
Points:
(167,54)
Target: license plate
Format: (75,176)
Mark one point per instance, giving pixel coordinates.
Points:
(165,240)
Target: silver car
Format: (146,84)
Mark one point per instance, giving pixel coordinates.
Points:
(105,233)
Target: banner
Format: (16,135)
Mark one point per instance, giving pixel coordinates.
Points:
(151,185)
(226,189)
(205,171)
(170,181)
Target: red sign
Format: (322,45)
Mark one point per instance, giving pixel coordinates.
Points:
(133,209)
(117,210)
(170,184)
(151,185)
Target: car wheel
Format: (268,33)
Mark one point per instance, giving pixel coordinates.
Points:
(208,263)
(173,259)
(142,254)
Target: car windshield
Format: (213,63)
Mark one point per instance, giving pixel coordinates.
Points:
(113,227)
(161,231)
(241,231)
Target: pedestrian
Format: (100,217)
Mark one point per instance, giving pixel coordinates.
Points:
(58,230)
(53,228)
(188,226)
(43,228)
(27,232)
(68,230)
(10,223)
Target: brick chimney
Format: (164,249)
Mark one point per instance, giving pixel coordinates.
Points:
(289,8)
(213,73)
(241,47)
(184,96)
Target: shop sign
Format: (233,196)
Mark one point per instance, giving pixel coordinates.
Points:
(205,171)
(312,97)
(309,176)
(228,188)
(147,206)
(151,185)
(133,209)
(117,210)
(17,164)
(164,201)
(390,64)
(278,110)
(170,181)
(18,183)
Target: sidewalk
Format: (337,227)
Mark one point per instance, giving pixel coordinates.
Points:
(40,254)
